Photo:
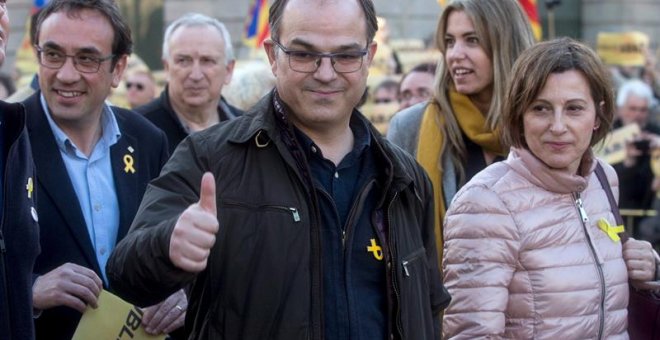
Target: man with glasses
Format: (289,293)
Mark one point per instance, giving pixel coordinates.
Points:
(93,162)
(296,220)
(19,231)
(198,60)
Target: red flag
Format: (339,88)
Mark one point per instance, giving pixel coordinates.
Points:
(532,13)
(257,29)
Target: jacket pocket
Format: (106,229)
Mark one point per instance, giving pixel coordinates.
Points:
(293,211)
(411,261)
(416,310)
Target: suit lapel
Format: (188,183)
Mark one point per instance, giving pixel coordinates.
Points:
(54,179)
(126,173)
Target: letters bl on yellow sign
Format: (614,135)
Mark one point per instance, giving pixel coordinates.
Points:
(114,319)
(625,49)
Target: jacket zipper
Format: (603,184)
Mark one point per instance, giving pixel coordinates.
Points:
(295,215)
(585,219)
(351,215)
(394,265)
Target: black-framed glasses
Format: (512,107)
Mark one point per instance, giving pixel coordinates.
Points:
(309,62)
(138,86)
(83,62)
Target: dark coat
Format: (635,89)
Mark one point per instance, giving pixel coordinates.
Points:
(19,231)
(64,235)
(159,111)
(263,278)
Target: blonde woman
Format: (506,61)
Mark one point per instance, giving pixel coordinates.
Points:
(453,135)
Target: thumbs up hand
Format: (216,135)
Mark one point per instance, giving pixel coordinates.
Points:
(194,233)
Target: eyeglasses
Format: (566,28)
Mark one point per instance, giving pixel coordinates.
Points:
(138,86)
(309,62)
(83,62)
(419,93)
(383,100)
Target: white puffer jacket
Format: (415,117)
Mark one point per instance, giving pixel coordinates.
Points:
(519,262)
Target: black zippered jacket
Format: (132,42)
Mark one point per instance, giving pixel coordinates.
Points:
(263,278)
(19,231)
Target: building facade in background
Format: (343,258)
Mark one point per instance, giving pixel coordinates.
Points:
(410,19)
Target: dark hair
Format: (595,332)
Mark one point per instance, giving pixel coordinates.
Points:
(277,11)
(530,73)
(33,26)
(387,84)
(423,67)
(429,68)
(122,43)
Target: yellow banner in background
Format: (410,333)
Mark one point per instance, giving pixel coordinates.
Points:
(625,49)
(114,319)
(613,149)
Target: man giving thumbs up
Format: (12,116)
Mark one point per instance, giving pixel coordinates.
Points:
(194,232)
(327,228)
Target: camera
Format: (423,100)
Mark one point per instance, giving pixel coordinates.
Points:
(642,145)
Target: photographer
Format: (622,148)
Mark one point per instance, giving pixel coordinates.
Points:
(634,101)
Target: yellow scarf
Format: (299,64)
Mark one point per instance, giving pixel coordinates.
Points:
(431,139)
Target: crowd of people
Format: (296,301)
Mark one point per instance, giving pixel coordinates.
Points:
(483,212)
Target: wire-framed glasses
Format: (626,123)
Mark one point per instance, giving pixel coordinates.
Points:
(309,62)
(83,62)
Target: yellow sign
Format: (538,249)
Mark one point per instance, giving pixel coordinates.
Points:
(613,149)
(380,114)
(625,49)
(114,319)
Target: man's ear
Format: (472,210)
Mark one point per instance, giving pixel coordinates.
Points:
(230,71)
(271,52)
(118,71)
(373,47)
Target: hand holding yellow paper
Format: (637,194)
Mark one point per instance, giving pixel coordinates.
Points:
(114,319)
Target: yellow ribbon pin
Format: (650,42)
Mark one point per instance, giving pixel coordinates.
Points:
(29,187)
(128,162)
(376,249)
(611,231)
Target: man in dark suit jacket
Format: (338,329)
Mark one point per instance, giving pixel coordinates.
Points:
(94,162)
(19,231)
(198,59)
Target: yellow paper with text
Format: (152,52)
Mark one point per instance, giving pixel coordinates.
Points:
(114,319)
(613,150)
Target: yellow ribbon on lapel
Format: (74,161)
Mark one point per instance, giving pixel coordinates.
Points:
(611,231)
(128,162)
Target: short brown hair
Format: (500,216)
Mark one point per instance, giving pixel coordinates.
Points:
(530,73)
(277,11)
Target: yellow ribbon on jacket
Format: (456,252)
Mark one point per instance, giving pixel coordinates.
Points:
(473,124)
(611,231)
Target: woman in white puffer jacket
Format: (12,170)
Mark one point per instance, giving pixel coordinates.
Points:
(525,257)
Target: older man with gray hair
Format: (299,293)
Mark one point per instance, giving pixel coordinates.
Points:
(198,60)
(636,179)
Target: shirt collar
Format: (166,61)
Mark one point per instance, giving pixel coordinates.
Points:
(110,132)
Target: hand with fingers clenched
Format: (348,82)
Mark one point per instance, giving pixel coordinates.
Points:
(640,260)
(68,285)
(194,233)
(166,316)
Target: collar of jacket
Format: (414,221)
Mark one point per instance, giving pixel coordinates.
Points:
(225,111)
(260,124)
